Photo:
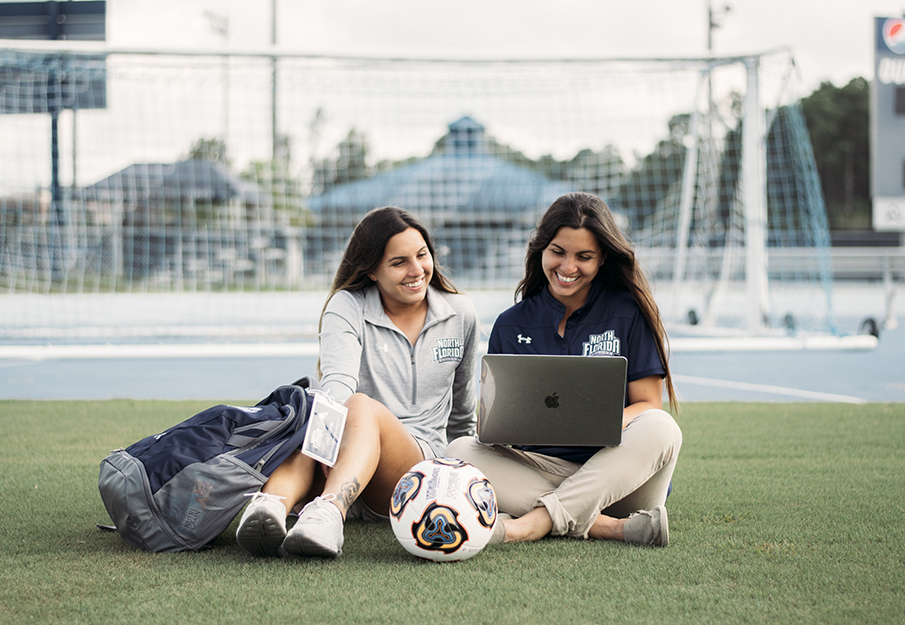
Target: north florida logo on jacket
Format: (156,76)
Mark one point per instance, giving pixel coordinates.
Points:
(606,344)
(447,350)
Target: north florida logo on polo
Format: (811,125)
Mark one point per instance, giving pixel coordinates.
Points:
(606,344)
(448,350)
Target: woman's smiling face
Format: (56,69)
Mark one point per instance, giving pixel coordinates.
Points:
(571,262)
(405,270)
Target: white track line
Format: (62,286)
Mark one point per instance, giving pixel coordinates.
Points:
(163,350)
(768,388)
(855,342)
(159,350)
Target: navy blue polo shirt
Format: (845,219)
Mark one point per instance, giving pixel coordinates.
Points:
(609,324)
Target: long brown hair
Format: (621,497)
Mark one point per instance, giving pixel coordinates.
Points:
(584,210)
(365,251)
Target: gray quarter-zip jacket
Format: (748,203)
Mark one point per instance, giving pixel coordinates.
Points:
(430,386)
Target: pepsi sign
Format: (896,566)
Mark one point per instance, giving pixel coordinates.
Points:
(892,35)
(888,125)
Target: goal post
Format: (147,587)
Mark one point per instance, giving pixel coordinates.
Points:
(754,164)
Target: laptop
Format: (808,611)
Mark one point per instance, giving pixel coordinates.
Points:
(551,400)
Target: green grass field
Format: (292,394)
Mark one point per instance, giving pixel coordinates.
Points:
(780,513)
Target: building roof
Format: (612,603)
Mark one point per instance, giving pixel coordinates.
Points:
(196,180)
(463,181)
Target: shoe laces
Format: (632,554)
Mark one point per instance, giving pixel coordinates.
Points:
(261,497)
(319,509)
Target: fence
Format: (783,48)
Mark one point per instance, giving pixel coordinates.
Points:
(132,173)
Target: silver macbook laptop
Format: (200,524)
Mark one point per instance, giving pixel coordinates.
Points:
(551,400)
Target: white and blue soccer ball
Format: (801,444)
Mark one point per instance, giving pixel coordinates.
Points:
(443,510)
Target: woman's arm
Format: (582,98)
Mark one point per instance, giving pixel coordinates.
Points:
(341,347)
(643,394)
(462,418)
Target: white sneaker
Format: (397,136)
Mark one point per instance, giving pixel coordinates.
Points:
(318,532)
(263,525)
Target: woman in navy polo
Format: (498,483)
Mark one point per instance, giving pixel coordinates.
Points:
(584,294)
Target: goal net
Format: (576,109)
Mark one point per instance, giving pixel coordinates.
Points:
(155,194)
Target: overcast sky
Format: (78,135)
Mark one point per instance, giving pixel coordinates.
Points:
(830,39)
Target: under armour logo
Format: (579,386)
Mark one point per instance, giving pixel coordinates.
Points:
(524,339)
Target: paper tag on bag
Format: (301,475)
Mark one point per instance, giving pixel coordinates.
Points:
(325,429)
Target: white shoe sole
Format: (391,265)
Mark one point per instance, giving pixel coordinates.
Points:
(664,527)
(261,535)
(298,544)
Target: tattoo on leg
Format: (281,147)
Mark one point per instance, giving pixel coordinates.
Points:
(349,491)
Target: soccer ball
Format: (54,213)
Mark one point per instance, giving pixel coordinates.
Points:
(443,510)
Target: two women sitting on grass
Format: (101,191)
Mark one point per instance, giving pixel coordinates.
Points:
(390,306)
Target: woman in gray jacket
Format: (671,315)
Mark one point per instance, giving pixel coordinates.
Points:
(398,347)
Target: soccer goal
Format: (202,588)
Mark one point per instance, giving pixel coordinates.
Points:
(195,186)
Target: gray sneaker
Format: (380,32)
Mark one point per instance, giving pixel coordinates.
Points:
(318,532)
(648,527)
(263,525)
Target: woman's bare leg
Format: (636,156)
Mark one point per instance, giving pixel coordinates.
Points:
(533,526)
(292,479)
(375,452)
(607,528)
(537,524)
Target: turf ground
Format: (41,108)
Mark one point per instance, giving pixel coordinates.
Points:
(781,513)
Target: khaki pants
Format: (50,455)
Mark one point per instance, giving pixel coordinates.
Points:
(616,480)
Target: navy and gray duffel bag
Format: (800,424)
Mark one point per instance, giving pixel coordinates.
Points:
(180,489)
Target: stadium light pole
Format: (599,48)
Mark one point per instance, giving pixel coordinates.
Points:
(273,84)
(220,25)
(714,21)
